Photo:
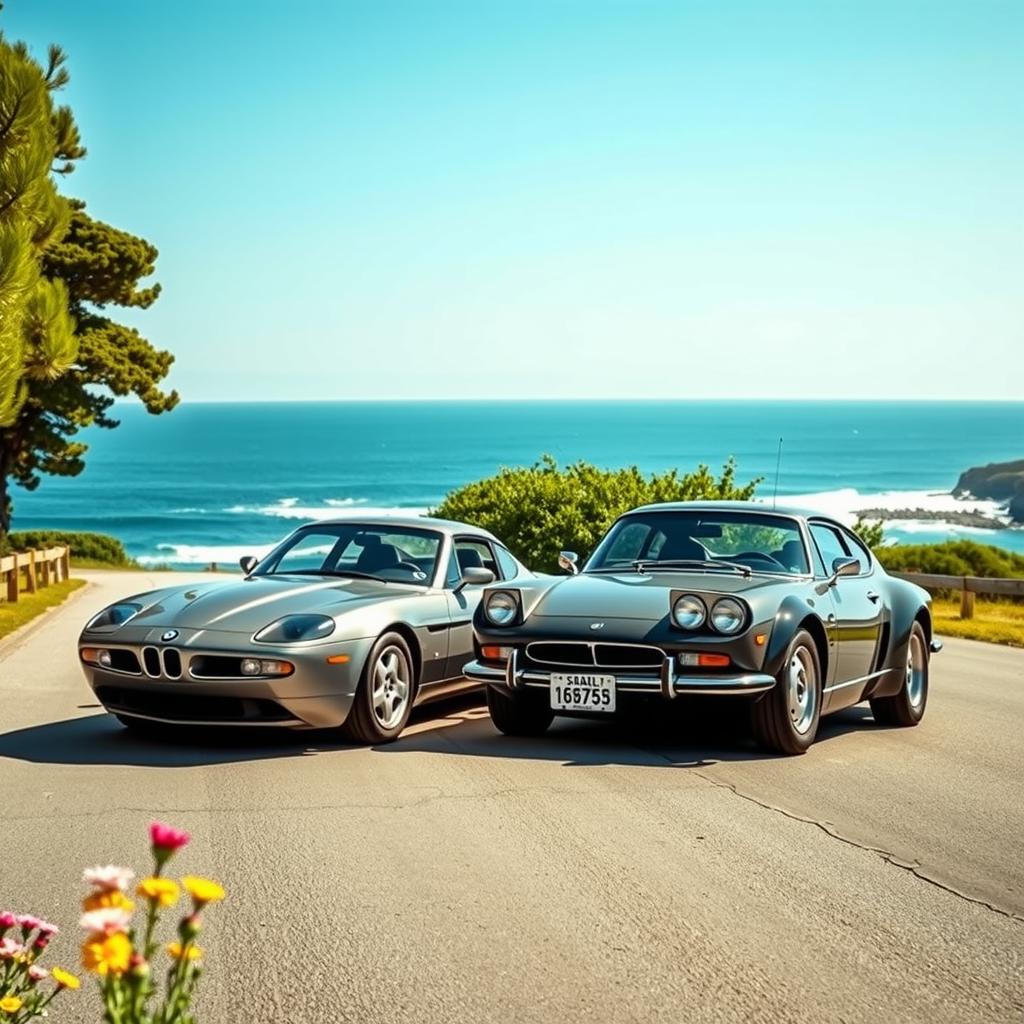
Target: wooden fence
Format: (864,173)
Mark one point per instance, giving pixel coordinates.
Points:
(33,568)
(969,586)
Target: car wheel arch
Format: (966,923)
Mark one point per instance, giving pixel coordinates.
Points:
(408,634)
(813,626)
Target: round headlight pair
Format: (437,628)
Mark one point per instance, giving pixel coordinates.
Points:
(727,614)
(294,629)
(501,608)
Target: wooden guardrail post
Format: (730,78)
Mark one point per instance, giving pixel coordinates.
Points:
(13,582)
(966,602)
(65,564)
(30,573)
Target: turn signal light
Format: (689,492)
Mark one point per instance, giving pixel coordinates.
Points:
(338,659)
(495,653)
(90,655)
(694,659)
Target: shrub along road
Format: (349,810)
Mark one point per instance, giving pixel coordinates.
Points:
(603,873)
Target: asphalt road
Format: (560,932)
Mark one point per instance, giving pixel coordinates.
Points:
(659,871)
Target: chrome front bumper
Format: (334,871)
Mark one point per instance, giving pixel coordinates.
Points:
(668,683)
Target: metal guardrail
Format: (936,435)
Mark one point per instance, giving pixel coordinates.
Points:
(39,568)
(969,587)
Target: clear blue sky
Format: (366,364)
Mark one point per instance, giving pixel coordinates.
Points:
(564,198)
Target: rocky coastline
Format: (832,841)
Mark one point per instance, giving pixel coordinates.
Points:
(998,481)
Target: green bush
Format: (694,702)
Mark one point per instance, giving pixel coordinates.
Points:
(85,547)
(952,558)
(543,509)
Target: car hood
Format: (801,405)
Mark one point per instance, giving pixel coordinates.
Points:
(631,595)
(247,605)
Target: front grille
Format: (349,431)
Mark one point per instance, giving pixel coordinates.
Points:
(215,666)
(192,708)
(172,663)
(151,660)
(587,655)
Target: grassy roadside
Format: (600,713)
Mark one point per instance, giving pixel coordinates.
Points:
(28,606)
(997,622)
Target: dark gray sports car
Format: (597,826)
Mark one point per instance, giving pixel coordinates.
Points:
(347,623)
(785,608)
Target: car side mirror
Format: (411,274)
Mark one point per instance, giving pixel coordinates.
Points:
(845,567)
(248,563)
(475,576)
(567,560)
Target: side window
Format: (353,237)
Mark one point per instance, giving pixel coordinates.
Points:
(830,543)
(509,566)
(473,552)
(858,550)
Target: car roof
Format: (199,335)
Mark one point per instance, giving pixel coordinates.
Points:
(760,507)
(448,526)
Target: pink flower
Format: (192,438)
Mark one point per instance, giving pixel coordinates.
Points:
(9,949)
(47,929)
(27,922)
(37,973)
(109,878)
(167,839)
(7,920)
(106,920)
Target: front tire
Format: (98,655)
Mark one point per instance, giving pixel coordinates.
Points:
(906,708)
(786,718)
(521,713)
(385,695)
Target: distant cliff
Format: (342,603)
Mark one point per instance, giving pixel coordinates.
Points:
(998,481)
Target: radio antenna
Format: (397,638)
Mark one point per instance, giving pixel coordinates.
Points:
(778,466)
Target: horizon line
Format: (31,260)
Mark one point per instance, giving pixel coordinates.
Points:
(131,400)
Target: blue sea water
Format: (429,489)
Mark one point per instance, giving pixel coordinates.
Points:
(208,482)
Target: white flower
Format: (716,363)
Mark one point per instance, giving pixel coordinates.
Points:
(108,878)
(106,920)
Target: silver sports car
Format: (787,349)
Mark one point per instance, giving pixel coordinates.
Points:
(345,623)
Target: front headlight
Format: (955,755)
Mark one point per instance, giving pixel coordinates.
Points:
(728,615)
(689,612)
(114,616)
(294,629)
(501,608)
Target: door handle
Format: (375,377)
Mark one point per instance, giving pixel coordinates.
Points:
(872,596)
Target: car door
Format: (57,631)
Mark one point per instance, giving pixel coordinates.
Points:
(858,611)
(462,604)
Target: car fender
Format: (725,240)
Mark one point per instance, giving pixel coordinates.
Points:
(793,611)
(907,602)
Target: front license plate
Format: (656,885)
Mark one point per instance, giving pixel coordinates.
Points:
(582,692)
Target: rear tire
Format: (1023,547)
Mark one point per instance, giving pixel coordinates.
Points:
(786,718)
(522,713)
(906,708)
(383,701)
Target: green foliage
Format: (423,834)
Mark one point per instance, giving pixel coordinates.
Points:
(872,533)
(952,558)
(36,330)
(541,510)
(90,547)
(62,359)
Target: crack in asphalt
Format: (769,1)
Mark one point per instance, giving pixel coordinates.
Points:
(912,867)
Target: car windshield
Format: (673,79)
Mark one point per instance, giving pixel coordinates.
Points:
(373,551)
(704,539)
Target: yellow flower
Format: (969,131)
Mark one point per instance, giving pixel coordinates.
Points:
(161,891)
(202,890)
(108,898)
(64,979)
(188,953)
(10,1004)
(107,954)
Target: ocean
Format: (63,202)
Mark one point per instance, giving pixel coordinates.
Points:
(209,482)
